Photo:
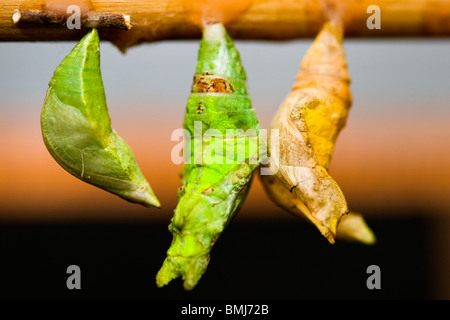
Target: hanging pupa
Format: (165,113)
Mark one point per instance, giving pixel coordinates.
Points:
(77,132)
(212,191)
(308,123)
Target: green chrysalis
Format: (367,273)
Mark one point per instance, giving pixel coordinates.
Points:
(212,192)
(77,132)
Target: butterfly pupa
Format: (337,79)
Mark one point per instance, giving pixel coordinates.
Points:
(76,127)
(212,192)
(308,123)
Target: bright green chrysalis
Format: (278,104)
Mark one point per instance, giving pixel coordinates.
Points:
(212,193)
(77,129)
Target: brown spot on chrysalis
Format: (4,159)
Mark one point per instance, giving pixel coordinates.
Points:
(209,84)
(200,108)
(208,191)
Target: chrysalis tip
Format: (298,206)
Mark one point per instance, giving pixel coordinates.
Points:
(145,196)
(165,274)
(353,228)
(151,201)
(190,269)
(215,31)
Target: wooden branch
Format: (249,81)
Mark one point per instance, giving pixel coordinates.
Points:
(88,20)
(154,20)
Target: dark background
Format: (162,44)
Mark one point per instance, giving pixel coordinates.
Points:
(252,260)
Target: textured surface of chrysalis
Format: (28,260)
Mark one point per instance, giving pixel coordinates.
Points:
(219,110)
(77,129)
(308,122)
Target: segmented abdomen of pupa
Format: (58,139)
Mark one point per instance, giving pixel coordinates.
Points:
(211,192)
(219,97)
(309,121)
(323,93)
(219,101)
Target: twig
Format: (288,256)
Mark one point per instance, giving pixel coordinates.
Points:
(90,19)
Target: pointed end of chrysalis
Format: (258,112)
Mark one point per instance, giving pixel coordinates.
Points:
(214,32)
(93,33)
(166,274)
(153,202)
(91,38)
(145,196)
(190,269)
(353,228)
(150,200)
(334,28)
(218,55)
(186,258)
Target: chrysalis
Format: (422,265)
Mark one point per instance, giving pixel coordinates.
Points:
(309,121)
(77,129)
(212,191)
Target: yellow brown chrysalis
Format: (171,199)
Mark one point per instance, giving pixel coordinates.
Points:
(308,123)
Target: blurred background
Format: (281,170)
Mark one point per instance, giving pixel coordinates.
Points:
(392,162)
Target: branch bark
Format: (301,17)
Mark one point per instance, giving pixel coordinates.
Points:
(87,20)
(154,20)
